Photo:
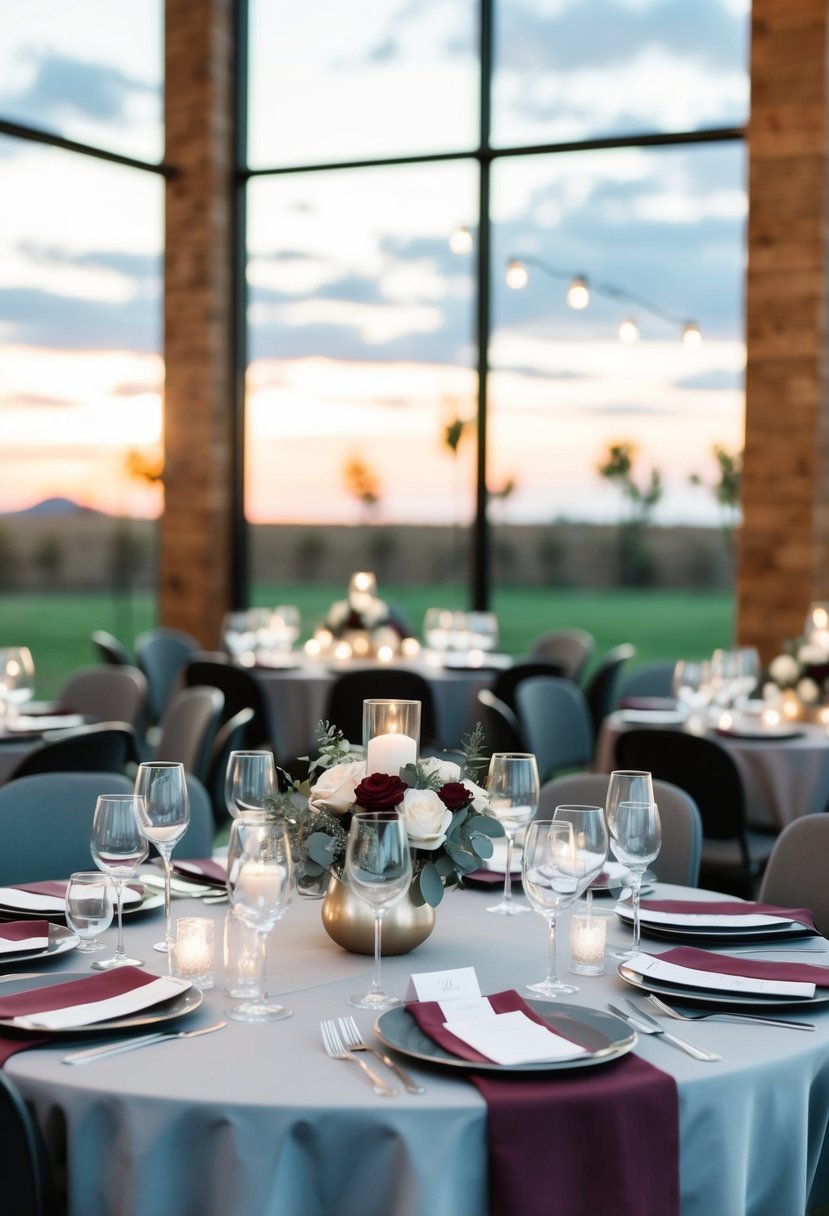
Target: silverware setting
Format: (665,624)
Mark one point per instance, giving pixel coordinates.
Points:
(336,1049)
(722,1016)
(22,975)
(100,1053)
(645,1024)
(353,1040)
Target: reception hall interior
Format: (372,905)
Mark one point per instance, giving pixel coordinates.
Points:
(414,516)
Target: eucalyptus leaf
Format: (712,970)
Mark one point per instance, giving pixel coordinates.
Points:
(463,860)
(481,844)
(430,885)
(312,868)
(321,849)
(458,820)
(444,866)
(487,825)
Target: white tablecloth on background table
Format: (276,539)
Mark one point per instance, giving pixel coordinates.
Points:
(783,778)
(256,1121)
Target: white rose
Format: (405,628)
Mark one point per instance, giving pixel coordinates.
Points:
(808,692)
(812,655)
(446,770)
(334,789)
(784,669)
(427,819)
(480,798)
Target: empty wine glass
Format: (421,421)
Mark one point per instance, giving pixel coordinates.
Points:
(378,866)
(118,847)
(514,791)
(259,889)
(553,876)
(590,838)
(165,813)
(691,685)
(250,782)
(90,907)
(636,840)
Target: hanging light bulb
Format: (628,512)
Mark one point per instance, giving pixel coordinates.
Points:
(516,276)
(629,331)
(691,334)
(578,293)
(461,241)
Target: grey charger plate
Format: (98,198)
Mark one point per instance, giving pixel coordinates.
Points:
(61,939)
(605,1036)
(710,997)
(166,1011)
(786,931)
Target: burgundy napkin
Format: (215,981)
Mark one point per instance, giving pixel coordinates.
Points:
(543,1128)
(802,916)
(22,930)
(60,996)
(488,878)
(752,968)
(654,703)
(203,869)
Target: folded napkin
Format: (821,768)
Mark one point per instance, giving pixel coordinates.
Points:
(204,870)
(20,935)
(751,968)
(736,910)
(489,878)
(646,703)
(83,1002)
(50,896)
(541,1125)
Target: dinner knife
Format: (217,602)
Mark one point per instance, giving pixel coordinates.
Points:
(99,1053)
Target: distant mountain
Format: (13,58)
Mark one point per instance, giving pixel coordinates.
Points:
(54,507)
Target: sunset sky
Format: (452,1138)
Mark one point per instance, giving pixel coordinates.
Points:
(362,319)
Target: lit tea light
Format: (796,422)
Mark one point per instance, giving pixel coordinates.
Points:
(410,647)
(194,950)
(342,651)
(312,648)
(361,646)
(588,935)
(770,717)
(385,654)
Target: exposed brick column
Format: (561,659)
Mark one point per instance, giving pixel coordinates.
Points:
(784,546)
(194,574)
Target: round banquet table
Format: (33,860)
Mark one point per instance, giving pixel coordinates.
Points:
(783,778)
(256,1121)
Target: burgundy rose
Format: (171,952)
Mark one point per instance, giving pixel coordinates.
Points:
(379,792)
(455,796)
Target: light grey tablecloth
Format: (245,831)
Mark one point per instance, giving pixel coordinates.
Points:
(255,1120)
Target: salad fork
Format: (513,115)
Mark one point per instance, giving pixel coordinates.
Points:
(335,1049)
(670,1012)
(354,1041)
(645,1024)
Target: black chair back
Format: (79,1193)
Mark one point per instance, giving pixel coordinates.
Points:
(241,691)
(232,736)
(501,727)
(110,650)
(102,747)
(601,689)
(351,688)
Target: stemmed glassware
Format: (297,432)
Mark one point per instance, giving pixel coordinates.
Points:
(250,782)
(118,847)
(590,839)
(691,684)
(259,888)
(378,867)
(514,792)
(636,840)
(554,875)
(626,785)
(164,812)
(89,908)
(17,677)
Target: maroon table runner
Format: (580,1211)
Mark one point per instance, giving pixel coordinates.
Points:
(59,996)
(751,968)
(682,907)
(604,1139)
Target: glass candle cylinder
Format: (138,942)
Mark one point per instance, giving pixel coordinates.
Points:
(588,933)
(391,734)
(243,957)
(194,950)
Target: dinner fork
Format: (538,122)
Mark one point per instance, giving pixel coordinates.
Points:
(336,1050)
(670,1012)
(645,1024)
(354,1041)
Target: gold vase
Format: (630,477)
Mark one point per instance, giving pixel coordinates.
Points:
(349,921)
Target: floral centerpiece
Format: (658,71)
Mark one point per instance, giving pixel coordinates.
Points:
(363,620)
(802,668)
(448,819)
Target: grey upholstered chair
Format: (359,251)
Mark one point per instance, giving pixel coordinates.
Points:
(795,876)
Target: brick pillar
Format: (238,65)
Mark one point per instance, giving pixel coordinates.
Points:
(784,544)
(196,530)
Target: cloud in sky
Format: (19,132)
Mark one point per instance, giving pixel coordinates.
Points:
(31,317)
(62,84)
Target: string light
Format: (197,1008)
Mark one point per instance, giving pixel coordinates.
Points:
(460,241)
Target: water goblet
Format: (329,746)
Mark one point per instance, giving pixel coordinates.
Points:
(590,839)
(553,877)
(259,889)
(636,840)
(514,792)
(118,847)
(164,813)
(250,782)
(90,900)
(378,867)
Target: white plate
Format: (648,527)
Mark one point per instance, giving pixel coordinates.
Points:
(718,933)
(605,1037)
(148,901)
(61,939)
(166,1011)
(709,996)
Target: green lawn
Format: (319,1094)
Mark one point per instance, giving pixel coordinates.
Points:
(661,624)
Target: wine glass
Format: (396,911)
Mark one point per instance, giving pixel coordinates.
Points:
(165,814)
(590,838)
(378,866)
(250,782)
(259,888)
(89,908)
(17,677)
(514,791)
(636,840)
(691,685)
(554,876)
(118,847)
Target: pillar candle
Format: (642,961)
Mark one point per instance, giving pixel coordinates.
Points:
(390,753)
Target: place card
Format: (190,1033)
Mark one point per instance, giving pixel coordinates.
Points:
(457,992)
(513,1038)
(654,968)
